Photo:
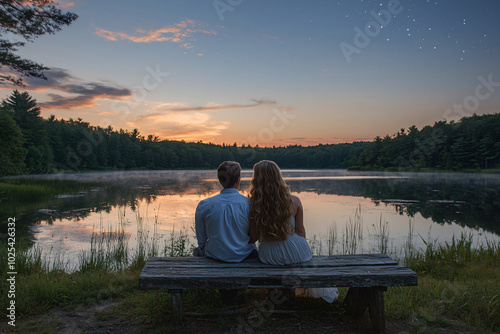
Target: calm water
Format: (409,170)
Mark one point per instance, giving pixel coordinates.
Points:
(159,203)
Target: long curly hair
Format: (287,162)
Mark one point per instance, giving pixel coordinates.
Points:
(271,203)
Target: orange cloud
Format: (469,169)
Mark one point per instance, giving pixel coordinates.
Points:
(66,4)
(181,126)
(180,33)
(108,113)
(214,106)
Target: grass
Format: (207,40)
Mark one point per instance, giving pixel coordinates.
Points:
(353,233)
(20,195)
(22,189)
(458,284)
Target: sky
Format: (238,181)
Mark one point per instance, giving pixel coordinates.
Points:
(267,73)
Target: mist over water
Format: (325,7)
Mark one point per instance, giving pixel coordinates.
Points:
(404,207)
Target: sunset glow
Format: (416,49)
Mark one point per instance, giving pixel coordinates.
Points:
(269,73)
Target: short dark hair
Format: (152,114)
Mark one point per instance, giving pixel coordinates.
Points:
(228,173)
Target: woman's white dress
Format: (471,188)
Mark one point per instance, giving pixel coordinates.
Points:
(293,250)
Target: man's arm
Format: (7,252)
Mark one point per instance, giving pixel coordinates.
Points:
(201,234)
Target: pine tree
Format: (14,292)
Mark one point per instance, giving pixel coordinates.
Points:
(12,152)
(26,113)
(27,19)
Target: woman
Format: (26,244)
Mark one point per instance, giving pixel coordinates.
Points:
(277,220)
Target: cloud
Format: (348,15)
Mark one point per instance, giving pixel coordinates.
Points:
(180,33)
(55,78)
(214,107)
(181,126)
(163,105)
(178,121)
(66,4)
(71,92)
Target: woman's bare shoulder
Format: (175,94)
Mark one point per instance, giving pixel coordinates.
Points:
(296,201)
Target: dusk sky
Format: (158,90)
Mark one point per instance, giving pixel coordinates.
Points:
(270,72)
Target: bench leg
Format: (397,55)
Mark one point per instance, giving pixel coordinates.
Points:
(176,306)
(355,301)
(359,299)
(377,308)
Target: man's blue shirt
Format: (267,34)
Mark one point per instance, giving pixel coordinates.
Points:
(222,226)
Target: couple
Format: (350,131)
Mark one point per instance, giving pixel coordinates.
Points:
(229,224)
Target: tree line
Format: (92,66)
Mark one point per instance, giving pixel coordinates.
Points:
(30,144)
(471,143)
(33,145)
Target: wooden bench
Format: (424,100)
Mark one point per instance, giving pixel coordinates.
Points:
(366,275)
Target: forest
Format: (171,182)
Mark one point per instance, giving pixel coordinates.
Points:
(472,143)
(30,144)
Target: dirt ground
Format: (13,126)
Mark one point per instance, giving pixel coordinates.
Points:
(103,319)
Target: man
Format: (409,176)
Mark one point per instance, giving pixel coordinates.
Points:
(221,221)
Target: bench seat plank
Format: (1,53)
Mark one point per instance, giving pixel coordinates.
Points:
(210,278)
(360,270)
(316,261)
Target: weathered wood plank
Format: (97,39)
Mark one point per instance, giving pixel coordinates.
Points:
(364,276)
(316,261)
(271,271)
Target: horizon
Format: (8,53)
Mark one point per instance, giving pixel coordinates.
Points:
(269,74)
(262,146)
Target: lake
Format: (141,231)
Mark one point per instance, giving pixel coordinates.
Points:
(344,212)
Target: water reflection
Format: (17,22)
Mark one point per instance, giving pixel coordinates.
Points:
(159,202)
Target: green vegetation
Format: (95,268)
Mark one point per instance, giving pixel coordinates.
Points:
(54,145)
(26,114)
(12,152)
(457,288)
(32,189)
(51,145)
(471,144)
(457,285)
(94,148)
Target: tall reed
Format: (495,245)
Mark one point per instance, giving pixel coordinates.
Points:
(332,238)
(381,235)
(353,233)
(409,246)
(108,251)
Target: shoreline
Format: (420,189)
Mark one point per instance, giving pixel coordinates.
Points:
(455,294)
